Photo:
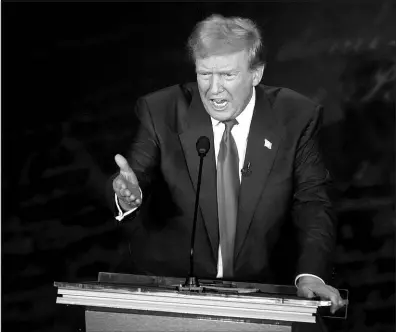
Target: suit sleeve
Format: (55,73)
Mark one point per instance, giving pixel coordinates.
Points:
(312,209)
(143,155)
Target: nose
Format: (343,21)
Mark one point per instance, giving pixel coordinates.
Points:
(216,84)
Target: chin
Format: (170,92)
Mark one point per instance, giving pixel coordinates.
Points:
(221,116)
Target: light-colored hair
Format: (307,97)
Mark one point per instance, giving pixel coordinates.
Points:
(219,35)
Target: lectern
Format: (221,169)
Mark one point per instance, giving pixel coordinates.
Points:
(124,302)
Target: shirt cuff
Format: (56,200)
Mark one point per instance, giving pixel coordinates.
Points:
(122,214)
(306,274)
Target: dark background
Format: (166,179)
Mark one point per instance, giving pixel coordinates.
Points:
(71,75)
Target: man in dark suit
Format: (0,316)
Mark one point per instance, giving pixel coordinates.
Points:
(269,133)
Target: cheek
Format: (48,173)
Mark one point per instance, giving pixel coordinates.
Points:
(202,85)
(235,88)
(240,93)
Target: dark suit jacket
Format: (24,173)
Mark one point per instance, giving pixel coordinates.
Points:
(288,180)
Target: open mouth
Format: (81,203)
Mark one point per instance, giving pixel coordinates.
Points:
(219,104)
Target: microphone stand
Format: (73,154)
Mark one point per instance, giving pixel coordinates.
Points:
(191,281)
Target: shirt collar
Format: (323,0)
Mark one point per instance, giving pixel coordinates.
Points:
(245,117)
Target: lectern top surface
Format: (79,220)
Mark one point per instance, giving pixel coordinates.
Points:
(164,286)
(212,298)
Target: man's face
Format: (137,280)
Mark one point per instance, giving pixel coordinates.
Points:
(225,83)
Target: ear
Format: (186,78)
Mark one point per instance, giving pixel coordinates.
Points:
(258,74)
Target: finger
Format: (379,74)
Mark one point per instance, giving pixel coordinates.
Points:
(339,303)
(118,191)
(333,295)
(119,183)
(325,291)
(125,170)
(132,202)
(128,197)
(128,205)
(335,290)
(122,164)
(125,192)
(305,292)
(335,306)
(334,303)
(122,190)
(134,198)
(344,302)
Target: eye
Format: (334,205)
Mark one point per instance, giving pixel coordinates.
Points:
(229,75)
(204,75)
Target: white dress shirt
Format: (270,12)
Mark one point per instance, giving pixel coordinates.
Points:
(240,134)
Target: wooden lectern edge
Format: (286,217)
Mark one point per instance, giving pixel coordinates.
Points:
(272,290)
(123,282)
(264,288)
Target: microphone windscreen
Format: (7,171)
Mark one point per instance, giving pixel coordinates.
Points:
(203,145)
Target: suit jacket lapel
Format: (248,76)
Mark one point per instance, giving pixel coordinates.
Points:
(198,123)
(263,127)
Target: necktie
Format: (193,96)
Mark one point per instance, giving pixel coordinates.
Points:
(227,196)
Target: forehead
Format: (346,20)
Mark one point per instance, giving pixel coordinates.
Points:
(238,60)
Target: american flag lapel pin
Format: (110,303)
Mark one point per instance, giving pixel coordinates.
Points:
(267,144)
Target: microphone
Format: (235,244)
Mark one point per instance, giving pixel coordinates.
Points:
(246,171)
(203,146)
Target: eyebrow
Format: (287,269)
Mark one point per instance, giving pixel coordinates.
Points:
(230,71)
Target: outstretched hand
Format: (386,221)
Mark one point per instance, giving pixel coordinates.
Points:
(310,287)
(126,185)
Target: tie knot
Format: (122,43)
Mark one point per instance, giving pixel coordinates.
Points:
(229,124)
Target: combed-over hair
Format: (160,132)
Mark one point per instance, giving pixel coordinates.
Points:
(219,35)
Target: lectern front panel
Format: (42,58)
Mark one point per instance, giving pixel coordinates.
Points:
(100,321)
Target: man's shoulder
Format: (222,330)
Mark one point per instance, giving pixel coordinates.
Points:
(290,103)
(282,94)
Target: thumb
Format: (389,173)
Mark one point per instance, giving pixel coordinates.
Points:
(122,164)
(125,169)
